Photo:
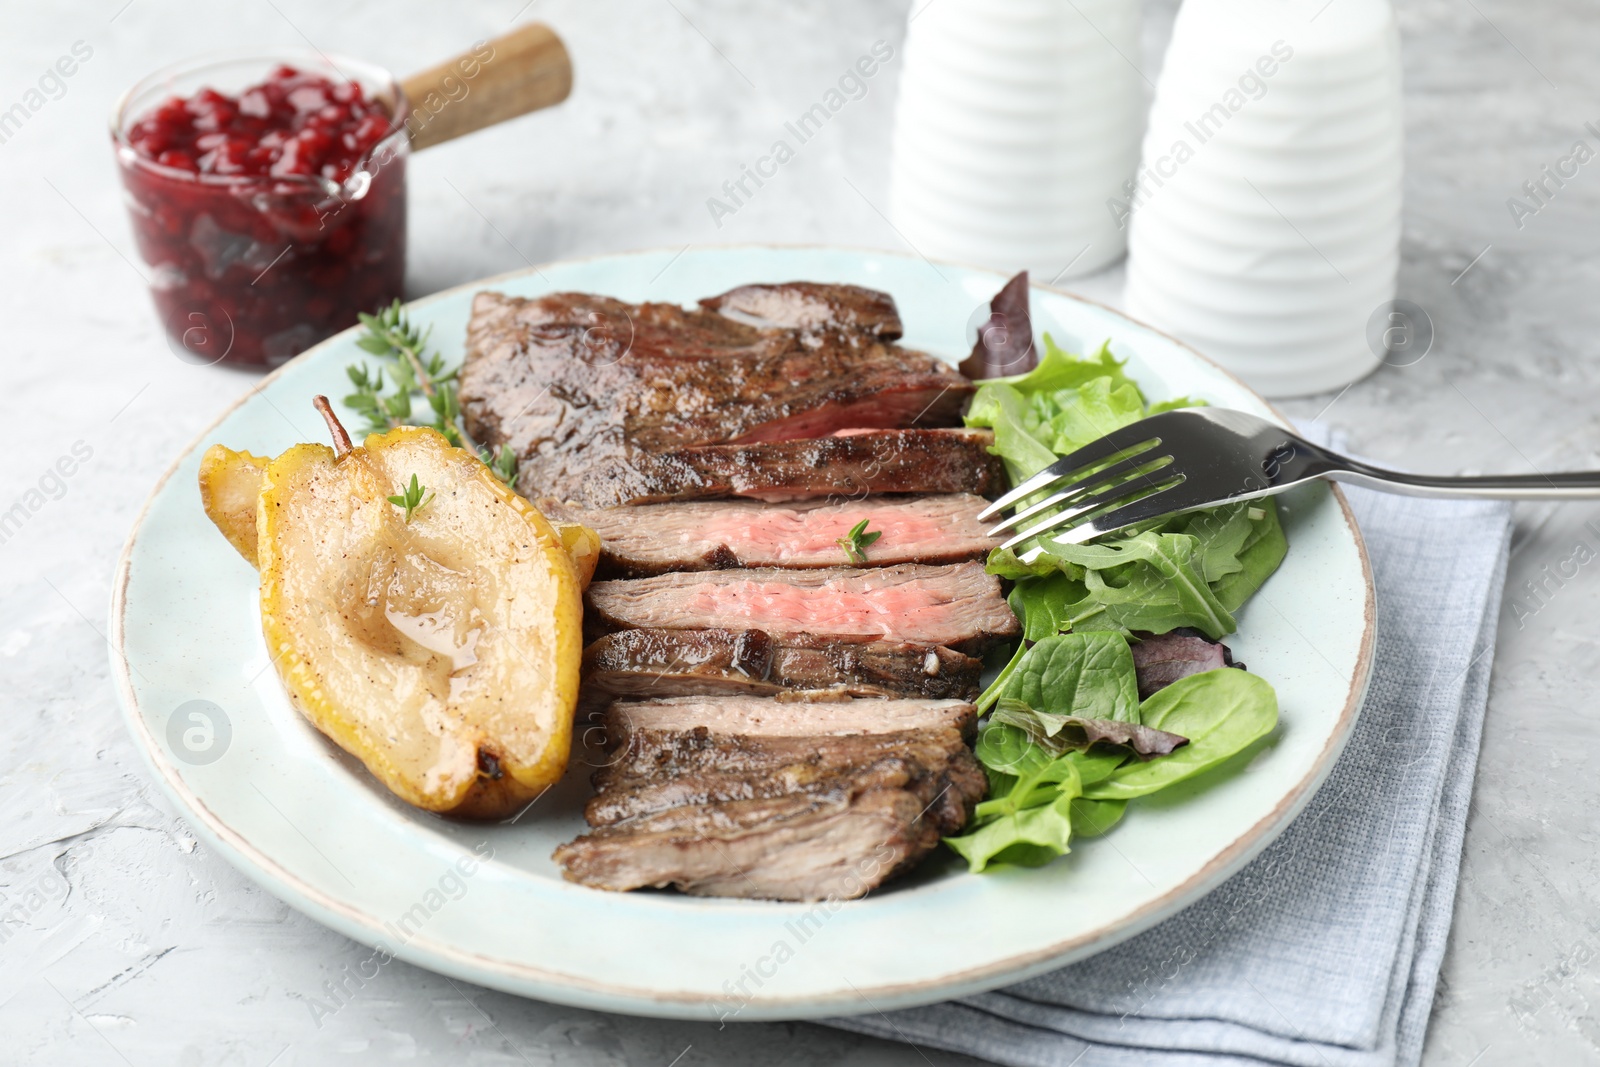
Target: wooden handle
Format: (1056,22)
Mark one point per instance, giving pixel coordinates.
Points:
(523,71)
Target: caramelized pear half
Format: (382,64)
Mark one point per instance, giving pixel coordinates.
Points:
(230,485)
(442,648)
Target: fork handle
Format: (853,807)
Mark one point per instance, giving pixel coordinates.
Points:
(1561,485)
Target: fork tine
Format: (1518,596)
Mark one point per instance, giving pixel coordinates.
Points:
(1099,502)
(1119,471)
(1144,509)
(1128,437)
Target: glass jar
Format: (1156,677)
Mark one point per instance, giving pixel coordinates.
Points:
(252,269)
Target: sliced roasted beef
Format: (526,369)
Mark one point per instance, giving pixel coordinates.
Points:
(843,465)
(957,605)
(773,817)
(586,388)
(654,770)
(834,845)
(1161,659)
(709,535)
(649,756)
(758,717)
(812,306)
(666,663)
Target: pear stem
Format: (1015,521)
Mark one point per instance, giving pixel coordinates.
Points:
(341,439)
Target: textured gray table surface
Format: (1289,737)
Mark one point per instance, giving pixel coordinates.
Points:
(146,949)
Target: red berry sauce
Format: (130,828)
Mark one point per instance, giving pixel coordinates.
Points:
(251,211)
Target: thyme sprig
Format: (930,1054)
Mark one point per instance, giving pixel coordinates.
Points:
(856,542)
(412,370)
(415,496)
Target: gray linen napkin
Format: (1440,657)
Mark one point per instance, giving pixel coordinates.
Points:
(1325,950)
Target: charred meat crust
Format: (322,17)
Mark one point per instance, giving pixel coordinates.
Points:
(843,833)
(657,770)
(586,388)
(849,465)
(667,663)
(837,845)
(811,306)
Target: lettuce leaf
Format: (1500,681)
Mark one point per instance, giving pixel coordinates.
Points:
(1221,712)
(1063,733)
(1071,685)
(1091,818)
(1070,678)
(1089,675)
(1028,822)
(1188,570)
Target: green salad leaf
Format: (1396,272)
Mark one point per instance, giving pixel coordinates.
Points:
(1221,712)
(1029,837)
(1089,675)
(1067,743)
(1091,818)
(1027,819)
(1058,734)
(1188,570)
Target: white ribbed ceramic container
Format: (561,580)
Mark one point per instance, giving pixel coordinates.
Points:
(1266,229)
(1017,120)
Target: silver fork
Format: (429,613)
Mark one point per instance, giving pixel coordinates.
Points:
(1201,457)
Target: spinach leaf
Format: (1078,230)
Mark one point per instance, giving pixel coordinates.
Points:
(1044,604)
(1097,765)
(1091,818)
(1084,674)
(1007,750)
(1221,712)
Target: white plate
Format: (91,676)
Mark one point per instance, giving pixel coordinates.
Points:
(308,824)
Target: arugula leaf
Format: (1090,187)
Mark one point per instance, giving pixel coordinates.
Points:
(1221,712)
(1149,581)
